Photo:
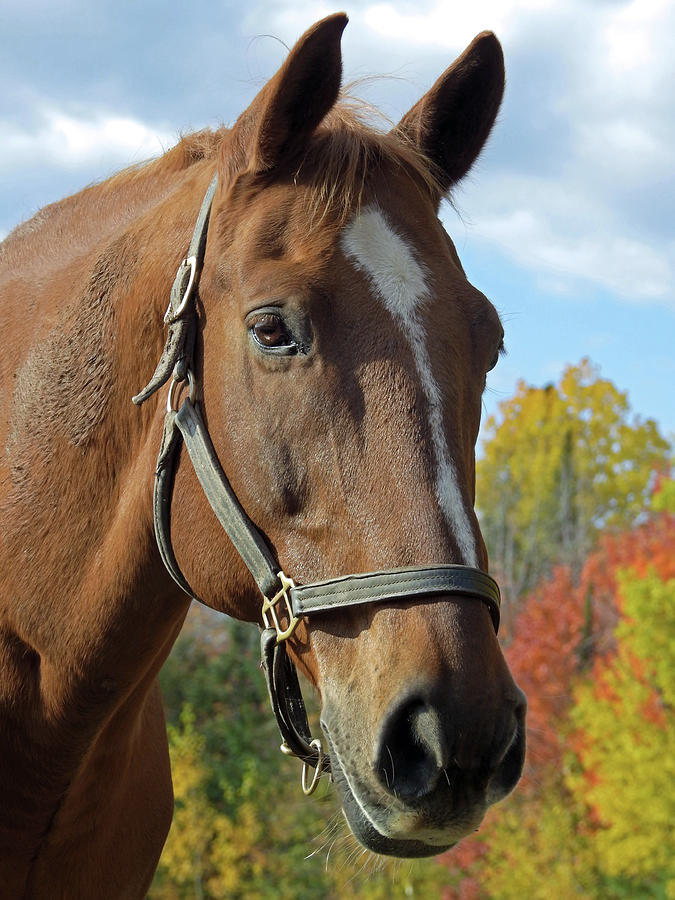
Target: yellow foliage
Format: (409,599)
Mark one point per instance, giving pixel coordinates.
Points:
(562,463)
(664,498)
(239,852)
(185,858)
(626,719)
(537,848)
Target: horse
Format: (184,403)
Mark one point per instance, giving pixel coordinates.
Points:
(326,357)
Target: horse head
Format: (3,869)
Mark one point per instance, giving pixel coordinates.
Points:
(340,359)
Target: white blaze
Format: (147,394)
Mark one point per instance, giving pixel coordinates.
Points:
(400,283)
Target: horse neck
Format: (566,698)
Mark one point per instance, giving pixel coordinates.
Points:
(86,221)
(114,249)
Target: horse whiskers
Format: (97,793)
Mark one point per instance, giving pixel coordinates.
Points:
(329,853)
(337,834)
(328,832)
(330,844)
(331,825)
(348,848)
(365,861)
(356,852)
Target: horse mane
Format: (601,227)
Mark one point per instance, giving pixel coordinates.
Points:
(38,243)
(347,146)
(354,139)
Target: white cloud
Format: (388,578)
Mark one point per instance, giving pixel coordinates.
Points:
(630,34)
(446,24)
(575,181)
(630,149)
(591,94)
(67,141)
(567,238)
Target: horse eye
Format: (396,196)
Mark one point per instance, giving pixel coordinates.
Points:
(269,330)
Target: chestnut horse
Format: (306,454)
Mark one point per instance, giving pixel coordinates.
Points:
(329,353)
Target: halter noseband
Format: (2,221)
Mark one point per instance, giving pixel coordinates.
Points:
(283,600)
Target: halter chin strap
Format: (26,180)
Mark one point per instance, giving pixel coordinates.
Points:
(284,603)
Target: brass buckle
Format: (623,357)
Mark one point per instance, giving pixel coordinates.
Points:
(269,606)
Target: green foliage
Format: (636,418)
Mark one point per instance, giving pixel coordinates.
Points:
(242,828)
(561,464)
(214,669)
(664,496)
(626,722)
(195,821)
(545,846)
(538,848)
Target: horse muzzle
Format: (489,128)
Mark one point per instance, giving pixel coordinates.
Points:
(434,770)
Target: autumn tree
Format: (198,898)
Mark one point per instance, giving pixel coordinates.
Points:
(625,730)
(242,827)
(185,869)
(597,820)
(560,464)
(596,655)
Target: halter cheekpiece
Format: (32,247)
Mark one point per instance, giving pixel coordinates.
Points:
(284,602)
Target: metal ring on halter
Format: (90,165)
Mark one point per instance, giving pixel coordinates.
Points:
(318,769)
(172,314)
(176,381)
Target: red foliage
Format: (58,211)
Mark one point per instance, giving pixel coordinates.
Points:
(544,657)
(468,889)
(650,545)
(653,710)
(564,624)
(462,861)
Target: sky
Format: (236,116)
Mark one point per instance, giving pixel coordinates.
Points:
(566,222)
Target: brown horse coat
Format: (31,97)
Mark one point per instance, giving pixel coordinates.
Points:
(353,452)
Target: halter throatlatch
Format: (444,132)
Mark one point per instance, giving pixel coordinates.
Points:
(284,602)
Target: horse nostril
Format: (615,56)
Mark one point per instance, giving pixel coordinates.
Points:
(411,750)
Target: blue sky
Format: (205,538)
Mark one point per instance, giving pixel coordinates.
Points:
(566,223)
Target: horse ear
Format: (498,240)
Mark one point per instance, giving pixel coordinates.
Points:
(452,121)
(284,114)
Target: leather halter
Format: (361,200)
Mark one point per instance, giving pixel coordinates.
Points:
(284,602)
